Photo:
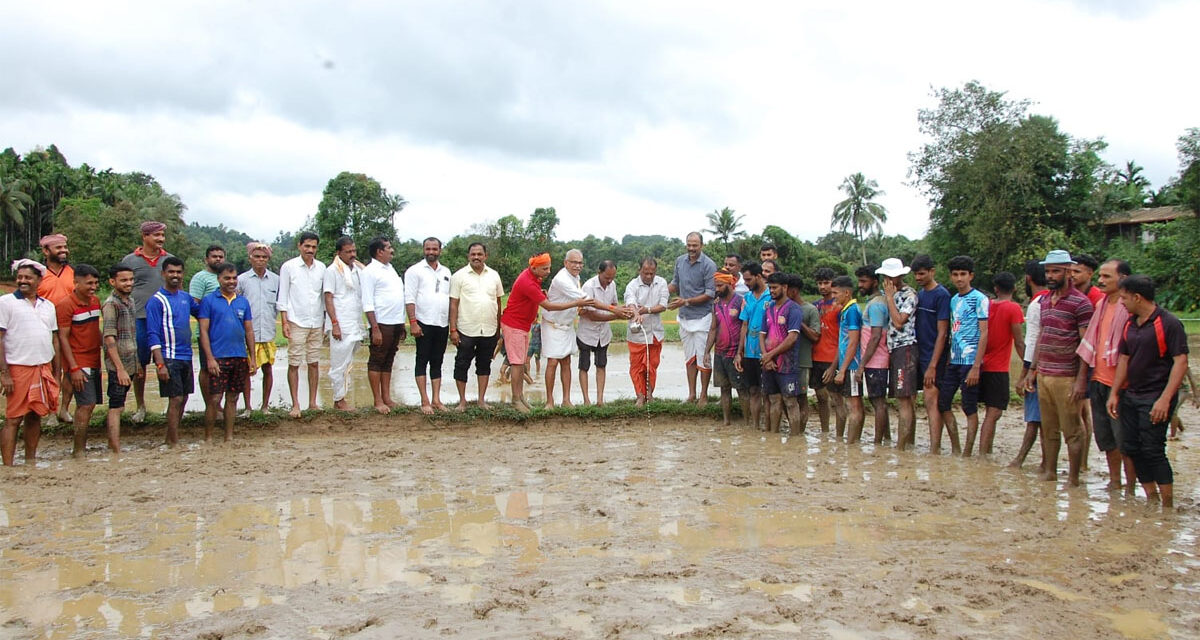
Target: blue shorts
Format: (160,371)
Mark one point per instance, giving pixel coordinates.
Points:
(1033,411)
(143,343)
(955,379)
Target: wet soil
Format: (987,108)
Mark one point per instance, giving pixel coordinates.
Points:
(396,527)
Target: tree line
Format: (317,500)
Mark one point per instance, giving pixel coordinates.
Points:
(1004,185)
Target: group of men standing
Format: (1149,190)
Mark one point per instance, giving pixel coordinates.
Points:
(744,326)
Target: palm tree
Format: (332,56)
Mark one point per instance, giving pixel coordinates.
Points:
(13,202)
(858,212)
(724,225)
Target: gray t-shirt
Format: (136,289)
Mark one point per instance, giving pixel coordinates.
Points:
(692,279)
(147,280)
(804,349)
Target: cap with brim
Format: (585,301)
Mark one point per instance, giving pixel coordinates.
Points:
(892,267)
(1058,256)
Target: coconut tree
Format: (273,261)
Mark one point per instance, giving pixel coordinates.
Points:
(13,202)
(724,225)
(858,213)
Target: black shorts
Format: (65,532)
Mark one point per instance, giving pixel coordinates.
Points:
(586,353)
(91,394)
(955,379)
(993,389)
(876,382)
(752,373)
(794,385)
(939,373)
(381,358)
(179,381)
(234,374)
(817,379)
(116,392)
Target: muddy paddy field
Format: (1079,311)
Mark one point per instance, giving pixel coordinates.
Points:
(386,527)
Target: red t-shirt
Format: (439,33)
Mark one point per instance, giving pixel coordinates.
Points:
(826,348)
(523,302)
(1002,315)
(1095,295)
(83,318)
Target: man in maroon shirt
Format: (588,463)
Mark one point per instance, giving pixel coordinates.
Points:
(1154,346)
(1056,371)
(520,312)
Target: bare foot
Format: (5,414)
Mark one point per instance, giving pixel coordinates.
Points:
(702,402)
(392,405)
(461,406)
(1073,481)
(1048,477)
(599,403)
(313,407)
(727,423)
(549,405)
(382,409)
(295,412)
(1130,491)
(78,455)
(438,406)
(1014,465)
(566,404)
(484,405)
(1113,486)
(641,402)
(690,399)
(427,409)
(522,407)
(341,405)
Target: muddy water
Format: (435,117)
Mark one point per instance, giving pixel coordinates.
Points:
(628,528)
(671,383)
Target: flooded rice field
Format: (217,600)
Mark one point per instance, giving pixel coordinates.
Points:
(385,527)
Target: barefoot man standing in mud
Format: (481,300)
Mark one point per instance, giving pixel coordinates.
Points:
(427,301)
(693,284)
(475,293)
(1056,371)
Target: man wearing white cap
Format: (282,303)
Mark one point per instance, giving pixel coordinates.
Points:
(1056,371)
(903,378)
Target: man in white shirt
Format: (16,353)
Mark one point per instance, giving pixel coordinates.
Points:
(302,314)
(260,286)
(594,333)
(29,360)
(475,293)
(646,298)
(343,308)
(427,301)
(383,302)
(558,327)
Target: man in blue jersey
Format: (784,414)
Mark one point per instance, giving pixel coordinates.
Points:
(227,343)
(968,343)
(933,331)
(169,336)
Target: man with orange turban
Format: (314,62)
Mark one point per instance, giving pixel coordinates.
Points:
(519,315)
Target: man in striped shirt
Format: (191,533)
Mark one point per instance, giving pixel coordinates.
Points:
(1056,371)
(169,334)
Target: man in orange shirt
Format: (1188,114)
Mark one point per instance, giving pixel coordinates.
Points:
(56,286)
(1100,349)
(79,344)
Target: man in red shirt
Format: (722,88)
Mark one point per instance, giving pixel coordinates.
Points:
(1100,349)
(79,345)
(1005,333)
(520,312)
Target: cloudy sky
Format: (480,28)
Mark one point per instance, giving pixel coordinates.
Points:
(628,117)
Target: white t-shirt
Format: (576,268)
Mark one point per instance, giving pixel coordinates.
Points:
(28,329)
(383,293)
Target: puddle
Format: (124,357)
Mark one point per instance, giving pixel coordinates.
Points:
(1138,624)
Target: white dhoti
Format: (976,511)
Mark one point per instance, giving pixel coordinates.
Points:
(694,335)
(341,356)
(558,341)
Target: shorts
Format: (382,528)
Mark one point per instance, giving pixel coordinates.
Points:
(694,336)
(793,385)
(751,373)
(1106,428)
(264,353)
(851,387)
(938,375)
(534,350)
(516,345)
(586,351)
(993,389)
(90,394)
(116,391)
(876,382)
(1033,410)
(179,380)
(304,347)
(955,379)
(725,374)
(143,342)
(818,375)
(234,374)
(904,379)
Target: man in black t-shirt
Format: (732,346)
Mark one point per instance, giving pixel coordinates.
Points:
(1155,346)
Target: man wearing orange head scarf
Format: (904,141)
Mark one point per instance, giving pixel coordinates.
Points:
(519,314)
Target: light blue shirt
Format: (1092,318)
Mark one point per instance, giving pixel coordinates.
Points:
(966,311)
